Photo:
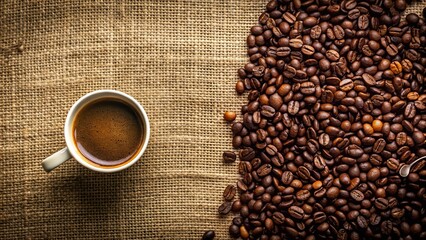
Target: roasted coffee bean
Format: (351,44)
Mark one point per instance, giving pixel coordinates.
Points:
(317,185)
(354,151)
(406,64)
(323,227)
(303,173)
(392,164)
(276,101)
(319,162)
(354,14)
(363,22)
(209,235)
(418,137)
(412,18)
(312,146)
(267,111)
(287,177)
(401,138)
(392,50)
(379,145)
(381,203)
(293,107)
(361,222)
(278,218)
(271,150)
(264,170)
(396,67)
(308,50)
(315,32)
(296,43)
(319,193)
(346,85)
(320,217)
(247,154)
(234,231)
(258,71)
(397,213)
(410,111)
(332,192)
(288,17)
(339,32)
(296,212)
(269,224)
(310,22)
(229,193)
(303,195)
(373,174)
(236,206)
(357,195)
(243,232)
(239,87)
(307,88)
(332,55)
(344,179)
(377,125)
(324,140)
(244,167)
(283,51)
(289,72)
(375,219)
(229,156)
(368,79)
(336,104)
(229,116)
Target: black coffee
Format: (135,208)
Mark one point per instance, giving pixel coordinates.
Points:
(108,132)
(336,105)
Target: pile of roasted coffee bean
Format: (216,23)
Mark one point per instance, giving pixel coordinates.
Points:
(336,105)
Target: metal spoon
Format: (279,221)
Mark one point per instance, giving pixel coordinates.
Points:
(405,170)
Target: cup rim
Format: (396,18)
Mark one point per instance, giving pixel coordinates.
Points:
(72,114)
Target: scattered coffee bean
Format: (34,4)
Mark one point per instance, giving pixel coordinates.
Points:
(243,232)
(234,231)
(357,195)
(363,22)
(396,67)
(229,193)
(209,235)
(239,87)
(332,55)
(308,50)
(332,192)
(229,156)
(323,227)
(336,105)
(381,203)
(368,79)
(225,208)
(229,116)
(296,212)
(309,22)
(377,125)
(392,50)
(346,85)
(296,43)
(373,174)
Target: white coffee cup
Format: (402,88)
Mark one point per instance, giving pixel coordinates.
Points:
(71,149)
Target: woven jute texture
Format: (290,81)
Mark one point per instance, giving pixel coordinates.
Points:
(178,58)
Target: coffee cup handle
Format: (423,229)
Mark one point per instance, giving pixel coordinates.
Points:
(56,159)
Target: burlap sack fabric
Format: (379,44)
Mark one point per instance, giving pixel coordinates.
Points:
(178,58)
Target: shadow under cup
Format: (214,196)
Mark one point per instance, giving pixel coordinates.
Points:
(107,130)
